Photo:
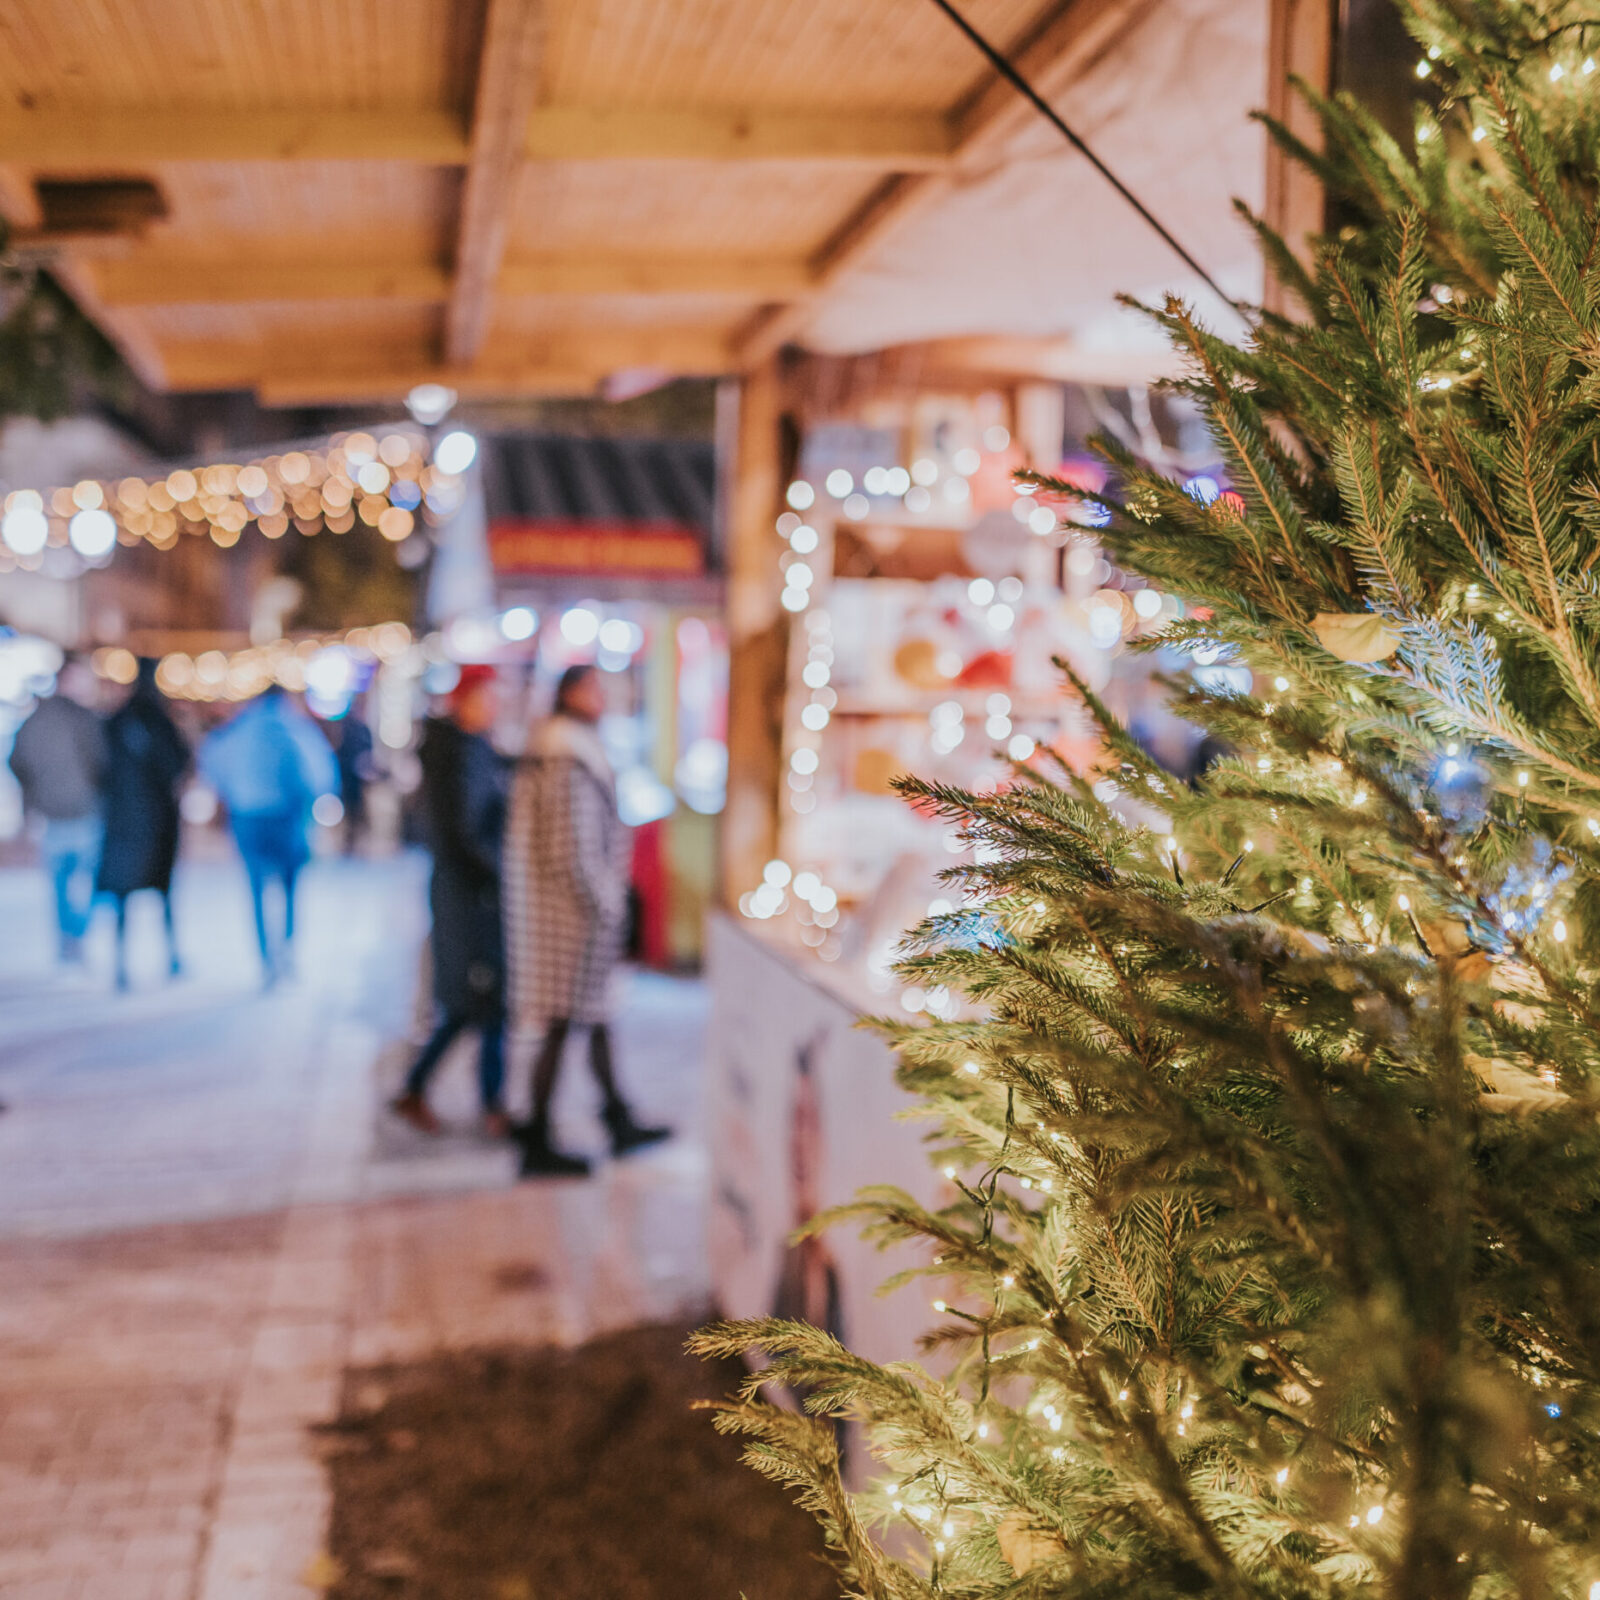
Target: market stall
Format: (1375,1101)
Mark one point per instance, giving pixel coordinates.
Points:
(926,603)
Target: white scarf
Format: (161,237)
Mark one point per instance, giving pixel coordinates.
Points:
(559,736)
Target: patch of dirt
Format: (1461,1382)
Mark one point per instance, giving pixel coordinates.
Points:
(557,1475)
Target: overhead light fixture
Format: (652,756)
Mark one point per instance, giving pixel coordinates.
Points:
(429,403)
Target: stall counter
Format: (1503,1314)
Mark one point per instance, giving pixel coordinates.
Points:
(803,1115)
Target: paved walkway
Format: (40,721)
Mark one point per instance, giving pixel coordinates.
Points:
(206,1219)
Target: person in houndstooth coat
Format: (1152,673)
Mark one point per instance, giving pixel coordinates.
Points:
(565,868)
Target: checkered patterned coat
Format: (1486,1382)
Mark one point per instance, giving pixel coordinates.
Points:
(565,870)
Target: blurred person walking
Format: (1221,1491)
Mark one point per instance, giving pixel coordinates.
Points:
(357,768)
(566,863)
(146,755)
(269,766)
(59,758)
(464,783)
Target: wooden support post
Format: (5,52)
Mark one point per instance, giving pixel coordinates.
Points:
(1299,45)
(757,636)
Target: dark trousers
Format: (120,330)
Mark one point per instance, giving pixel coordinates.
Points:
(547,1068)
(491,1057)
(273,846)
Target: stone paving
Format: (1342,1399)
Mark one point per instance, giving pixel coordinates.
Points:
(206,1217)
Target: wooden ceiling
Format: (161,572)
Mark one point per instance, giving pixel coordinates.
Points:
(512,197)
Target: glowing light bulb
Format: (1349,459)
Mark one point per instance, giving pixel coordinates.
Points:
(1404,902)
(455,452)
(939,1305)
(1559,931)
(1280,683)
(1522,780)
(92,532)
(1375,1516)
(1281,1475)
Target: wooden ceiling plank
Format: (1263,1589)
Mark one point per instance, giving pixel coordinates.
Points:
(746,277)
(592,133)
(508,85)
(155,280)
(116,139)
(152,279)
(365,370)
(1068,39)
(101,140)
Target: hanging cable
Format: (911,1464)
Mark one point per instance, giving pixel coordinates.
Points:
(1004,67)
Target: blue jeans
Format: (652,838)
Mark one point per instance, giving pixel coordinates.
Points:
(491,1058)
(70,848)
(273,845)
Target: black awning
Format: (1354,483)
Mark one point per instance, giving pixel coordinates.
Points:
(561,478)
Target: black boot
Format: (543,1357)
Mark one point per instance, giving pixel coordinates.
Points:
(540,1159)
(626,1134)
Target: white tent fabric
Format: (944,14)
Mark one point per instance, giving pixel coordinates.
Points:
(1040,246)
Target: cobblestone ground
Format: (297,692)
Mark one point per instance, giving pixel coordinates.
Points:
(206,1216)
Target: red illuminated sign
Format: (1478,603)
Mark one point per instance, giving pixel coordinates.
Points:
(632,549)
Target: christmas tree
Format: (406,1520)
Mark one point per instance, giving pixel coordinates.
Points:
(1270,1265)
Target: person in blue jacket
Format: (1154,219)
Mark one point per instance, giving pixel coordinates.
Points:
(269,766)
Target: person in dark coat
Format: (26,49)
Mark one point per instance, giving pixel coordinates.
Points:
(146,755)
(59,758)
(356,770)
(464,782)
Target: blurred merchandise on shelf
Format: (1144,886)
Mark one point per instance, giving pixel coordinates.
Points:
(931,598)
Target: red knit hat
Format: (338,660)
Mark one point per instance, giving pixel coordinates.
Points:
(474,674)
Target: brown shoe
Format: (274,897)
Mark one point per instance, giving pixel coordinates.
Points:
(414,1109)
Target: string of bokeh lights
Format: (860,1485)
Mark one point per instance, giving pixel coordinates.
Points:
(388,482)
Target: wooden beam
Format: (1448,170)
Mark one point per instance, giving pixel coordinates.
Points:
(380,384)
(126,331)
(508,85)
(757,638)
(752,278)
(98,139)
(1300,36)
(594,133)
(151,279)
(19,205)
(95,139)
(1068,41)
(574,360)
(21,212)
